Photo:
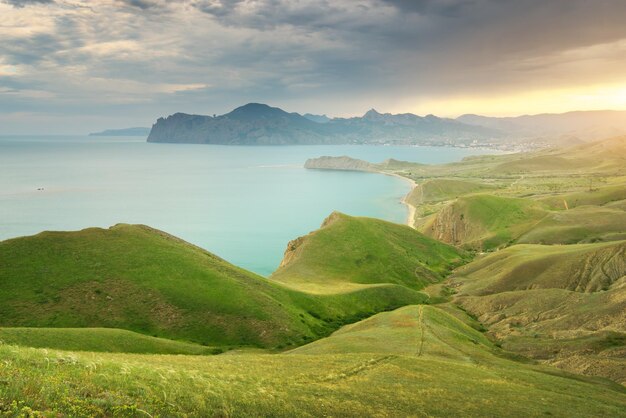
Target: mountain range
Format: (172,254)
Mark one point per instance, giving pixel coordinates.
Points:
(260,124)
(584,125)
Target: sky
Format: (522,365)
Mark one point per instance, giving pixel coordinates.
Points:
(72,66)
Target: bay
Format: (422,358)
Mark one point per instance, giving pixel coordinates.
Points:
(242,203)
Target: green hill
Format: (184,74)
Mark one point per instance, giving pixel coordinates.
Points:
(580,268)
(579,225)
(583,333)
(563,305)
(437,190)
(598,197)
(98,340)
(422,361)
(140,279)
(412,330)
(483,221)
(347,253)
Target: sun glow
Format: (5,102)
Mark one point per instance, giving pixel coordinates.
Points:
(596,97)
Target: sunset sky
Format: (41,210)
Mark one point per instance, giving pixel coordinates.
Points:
(71,66)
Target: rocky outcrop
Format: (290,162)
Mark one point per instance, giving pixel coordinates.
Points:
(291,251)
(451,227)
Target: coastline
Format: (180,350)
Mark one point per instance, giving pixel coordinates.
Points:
(412,209)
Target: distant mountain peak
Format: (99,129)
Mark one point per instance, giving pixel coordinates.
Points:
(254,106)
(372,113)
(255,111)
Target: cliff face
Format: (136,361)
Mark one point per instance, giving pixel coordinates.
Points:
(451,227)
(259,124)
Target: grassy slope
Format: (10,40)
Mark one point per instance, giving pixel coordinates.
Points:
(597,197)
(439,367)
(349,252)
(582,333)
(437,190)
(561,304)
(483,221)
(582,268)
(489,221)
(412,330)
(98,340)
(140,279)
(570,195)
(579,225)
(528,197)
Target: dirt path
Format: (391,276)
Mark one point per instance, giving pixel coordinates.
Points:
(420,322)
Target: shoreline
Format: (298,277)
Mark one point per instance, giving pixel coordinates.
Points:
(412,209)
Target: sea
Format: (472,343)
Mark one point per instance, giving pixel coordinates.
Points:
(243,203)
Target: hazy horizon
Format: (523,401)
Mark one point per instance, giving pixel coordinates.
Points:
(72,67)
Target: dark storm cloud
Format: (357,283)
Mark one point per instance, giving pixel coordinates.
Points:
(494,26)
(528,23)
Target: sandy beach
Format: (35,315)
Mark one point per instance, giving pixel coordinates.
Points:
(411,216)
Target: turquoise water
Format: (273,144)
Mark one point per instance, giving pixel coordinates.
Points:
(241,203)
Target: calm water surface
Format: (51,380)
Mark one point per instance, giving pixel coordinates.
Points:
(242,203)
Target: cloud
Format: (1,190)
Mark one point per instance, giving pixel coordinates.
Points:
(449,8)
(97,59)
(23,3)
(141,4)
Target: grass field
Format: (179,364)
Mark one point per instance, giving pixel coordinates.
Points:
(99,340)
(448,370)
